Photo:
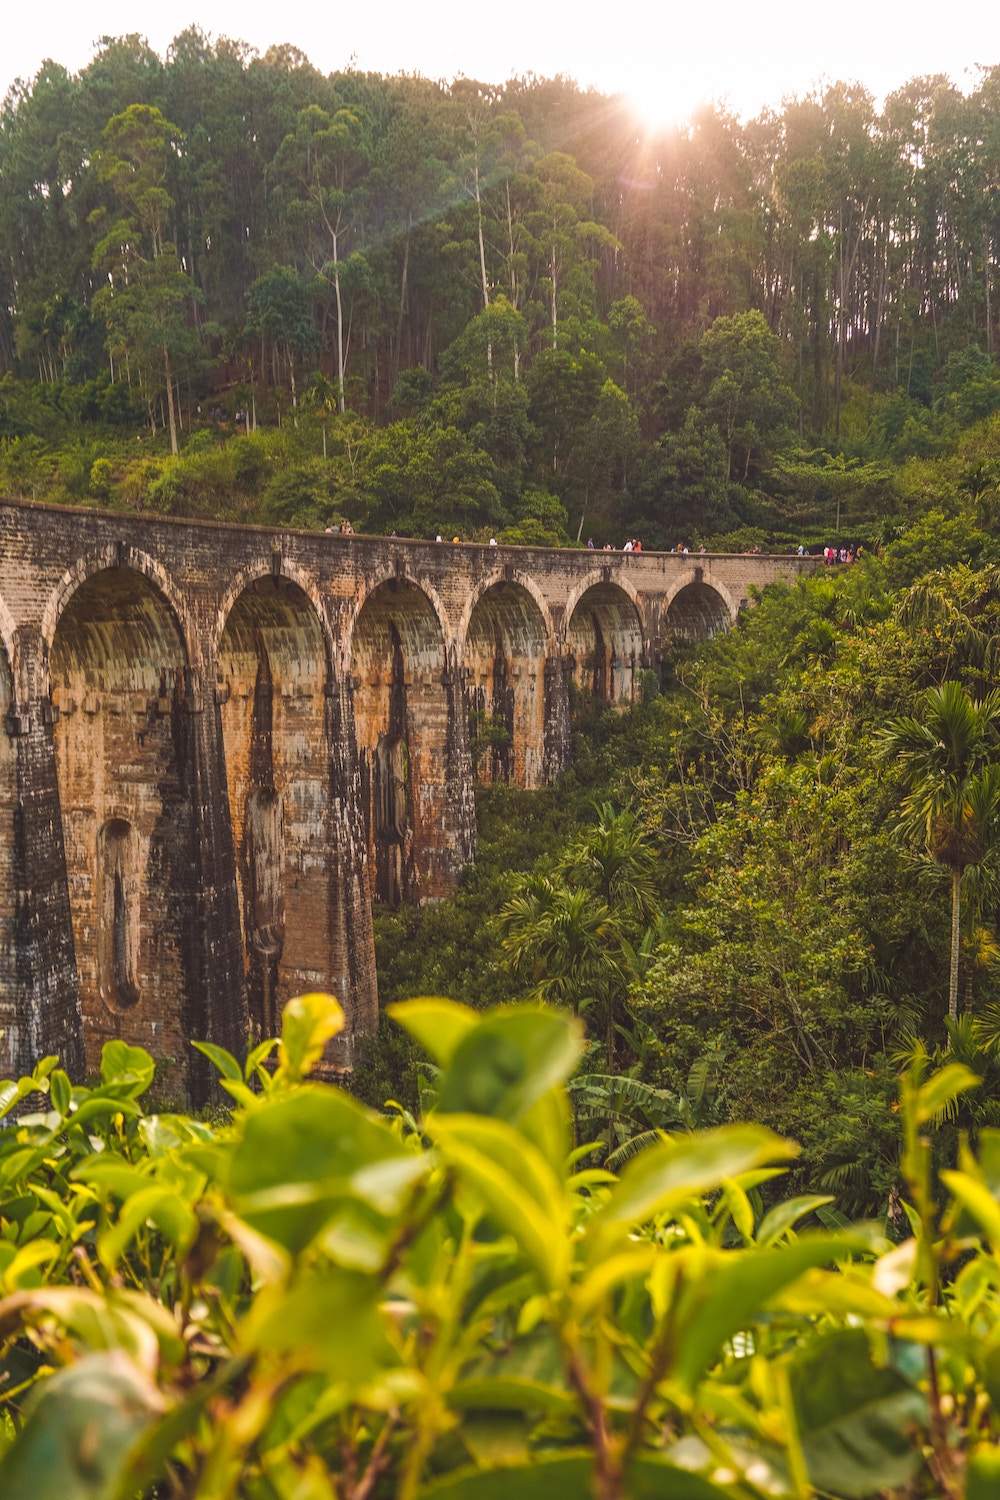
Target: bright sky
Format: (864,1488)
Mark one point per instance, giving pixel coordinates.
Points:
(667,55)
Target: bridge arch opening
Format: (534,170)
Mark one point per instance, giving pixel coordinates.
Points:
(404,731)
(117,677)
(504,660)
(604,639)
(272,673)
(696,613)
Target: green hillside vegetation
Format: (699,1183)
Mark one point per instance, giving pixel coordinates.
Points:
(727,885)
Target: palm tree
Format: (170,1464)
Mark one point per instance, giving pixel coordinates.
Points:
(322,397)
(952,800)
(617,861)
(558,938)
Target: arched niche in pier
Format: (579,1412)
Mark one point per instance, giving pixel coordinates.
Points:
(403,727)
(604,640)
(272,673)
(504,660)
(117,679)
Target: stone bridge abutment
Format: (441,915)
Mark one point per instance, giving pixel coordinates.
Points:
(222,746)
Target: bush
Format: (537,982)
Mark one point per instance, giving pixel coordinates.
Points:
(458,1305)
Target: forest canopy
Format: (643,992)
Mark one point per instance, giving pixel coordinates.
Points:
(785,323)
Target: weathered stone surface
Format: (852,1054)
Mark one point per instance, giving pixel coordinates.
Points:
(223,744)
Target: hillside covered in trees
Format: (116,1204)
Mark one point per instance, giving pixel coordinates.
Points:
(486,307)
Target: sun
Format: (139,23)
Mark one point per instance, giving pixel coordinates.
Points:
(663,98)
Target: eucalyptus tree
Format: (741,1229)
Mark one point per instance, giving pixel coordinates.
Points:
(279,313)
(147,292)
(321,165)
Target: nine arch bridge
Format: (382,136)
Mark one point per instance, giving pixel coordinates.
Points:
(222,744)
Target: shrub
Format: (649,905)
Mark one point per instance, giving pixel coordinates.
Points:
(315,1299)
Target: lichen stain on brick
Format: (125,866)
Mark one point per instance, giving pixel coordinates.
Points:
(401,719)
(272,672)
(504,659)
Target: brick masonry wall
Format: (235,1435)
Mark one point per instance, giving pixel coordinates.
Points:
(223,743)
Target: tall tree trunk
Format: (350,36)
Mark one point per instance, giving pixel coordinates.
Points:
(879,309)
(986,279)
(340,329)
(956,910)
(404,283)
(512,272)
(482,243)
(555,274)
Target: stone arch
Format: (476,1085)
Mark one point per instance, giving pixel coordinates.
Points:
(393,581)
(273,679)
(613,579)
(604,642)
(123,748)
(503,653)
(405,733)
(114,558)
(697,608)
(514,576)
(275,567)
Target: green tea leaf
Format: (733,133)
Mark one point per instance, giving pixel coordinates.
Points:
(82,1427)
(303,1153)
(129,1066)
(784,1215)
(854,1419)
(438,1025)
(307,1023)
(225,1061)
(508,1061)
(732,1290)
(667,1174)
(522,1192)
(327,1320)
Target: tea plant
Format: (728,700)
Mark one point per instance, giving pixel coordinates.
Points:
(316,1302)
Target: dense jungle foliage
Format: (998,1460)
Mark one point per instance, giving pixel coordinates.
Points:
(746,885)
(482,308)
(310,1301)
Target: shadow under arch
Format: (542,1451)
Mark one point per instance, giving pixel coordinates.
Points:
(698,609)
(604,641)
(265,569)
(393,581)
(516,578)
(273,677)
(118,559)
(123,749)
(503,653)
(406,737)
